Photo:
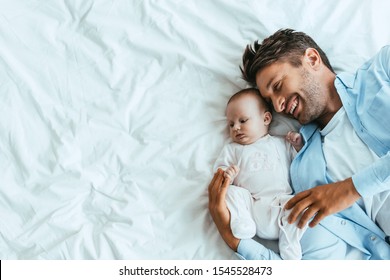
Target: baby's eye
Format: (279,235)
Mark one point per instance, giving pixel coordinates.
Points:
(231,124)
(243,121)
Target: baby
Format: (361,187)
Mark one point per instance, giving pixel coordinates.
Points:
(258,166)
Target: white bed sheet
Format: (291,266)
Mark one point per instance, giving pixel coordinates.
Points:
(112,114)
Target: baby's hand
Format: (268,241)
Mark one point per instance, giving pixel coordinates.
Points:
(231,172)
(295,139)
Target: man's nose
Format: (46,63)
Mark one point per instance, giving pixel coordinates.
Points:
(279,104)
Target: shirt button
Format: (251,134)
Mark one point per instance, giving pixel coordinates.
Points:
(373,238)
(343,222)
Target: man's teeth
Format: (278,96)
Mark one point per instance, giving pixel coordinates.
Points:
(295,104)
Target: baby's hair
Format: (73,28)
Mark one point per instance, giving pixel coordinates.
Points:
(254,92)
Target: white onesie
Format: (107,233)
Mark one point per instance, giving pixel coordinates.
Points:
(260,190)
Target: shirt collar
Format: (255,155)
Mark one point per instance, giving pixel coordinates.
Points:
(308,130)
(347,79)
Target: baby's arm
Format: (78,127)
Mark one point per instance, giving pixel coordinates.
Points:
(232,172)
(295,139)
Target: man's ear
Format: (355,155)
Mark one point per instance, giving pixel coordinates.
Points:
(312,58)
(267,118)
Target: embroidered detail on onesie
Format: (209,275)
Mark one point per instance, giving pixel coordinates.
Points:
(260,161)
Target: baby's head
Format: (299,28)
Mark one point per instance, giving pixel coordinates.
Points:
(248,116)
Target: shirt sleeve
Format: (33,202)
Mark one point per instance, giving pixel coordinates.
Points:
(373,179)
(385,58)
(249,249)
(225,158)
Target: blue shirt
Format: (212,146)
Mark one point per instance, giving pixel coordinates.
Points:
(366,99)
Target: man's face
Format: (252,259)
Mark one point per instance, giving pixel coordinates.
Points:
(293,91)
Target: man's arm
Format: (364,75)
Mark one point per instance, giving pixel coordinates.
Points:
(248,248)
(218,209)
(325,200)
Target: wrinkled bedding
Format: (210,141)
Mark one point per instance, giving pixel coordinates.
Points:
(112,115)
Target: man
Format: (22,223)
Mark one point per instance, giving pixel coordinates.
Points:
(341,177)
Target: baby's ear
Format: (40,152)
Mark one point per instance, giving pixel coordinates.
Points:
(267,118)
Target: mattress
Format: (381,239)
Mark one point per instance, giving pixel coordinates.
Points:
(112,115)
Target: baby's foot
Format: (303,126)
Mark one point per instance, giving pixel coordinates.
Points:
(243,228)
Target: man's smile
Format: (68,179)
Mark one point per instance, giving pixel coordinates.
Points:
(292,106)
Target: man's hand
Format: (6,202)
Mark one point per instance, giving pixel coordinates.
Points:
(321,201)
(218,209)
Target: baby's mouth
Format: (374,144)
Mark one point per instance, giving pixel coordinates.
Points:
(240,136)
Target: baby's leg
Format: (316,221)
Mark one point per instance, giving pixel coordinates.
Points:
(289,235)
(239,202)
(266,216)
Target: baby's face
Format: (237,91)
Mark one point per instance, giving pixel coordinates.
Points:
(246,120)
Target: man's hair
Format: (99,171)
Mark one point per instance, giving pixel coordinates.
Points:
(284,45)
(254,92)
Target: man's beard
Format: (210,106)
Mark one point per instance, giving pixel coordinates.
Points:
(311,105)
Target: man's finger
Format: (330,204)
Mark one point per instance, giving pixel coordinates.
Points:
(217,180)
(213,180)
(224,189)
(214,186)
(307,215)
(297,198)
(317,219)
(298,209)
